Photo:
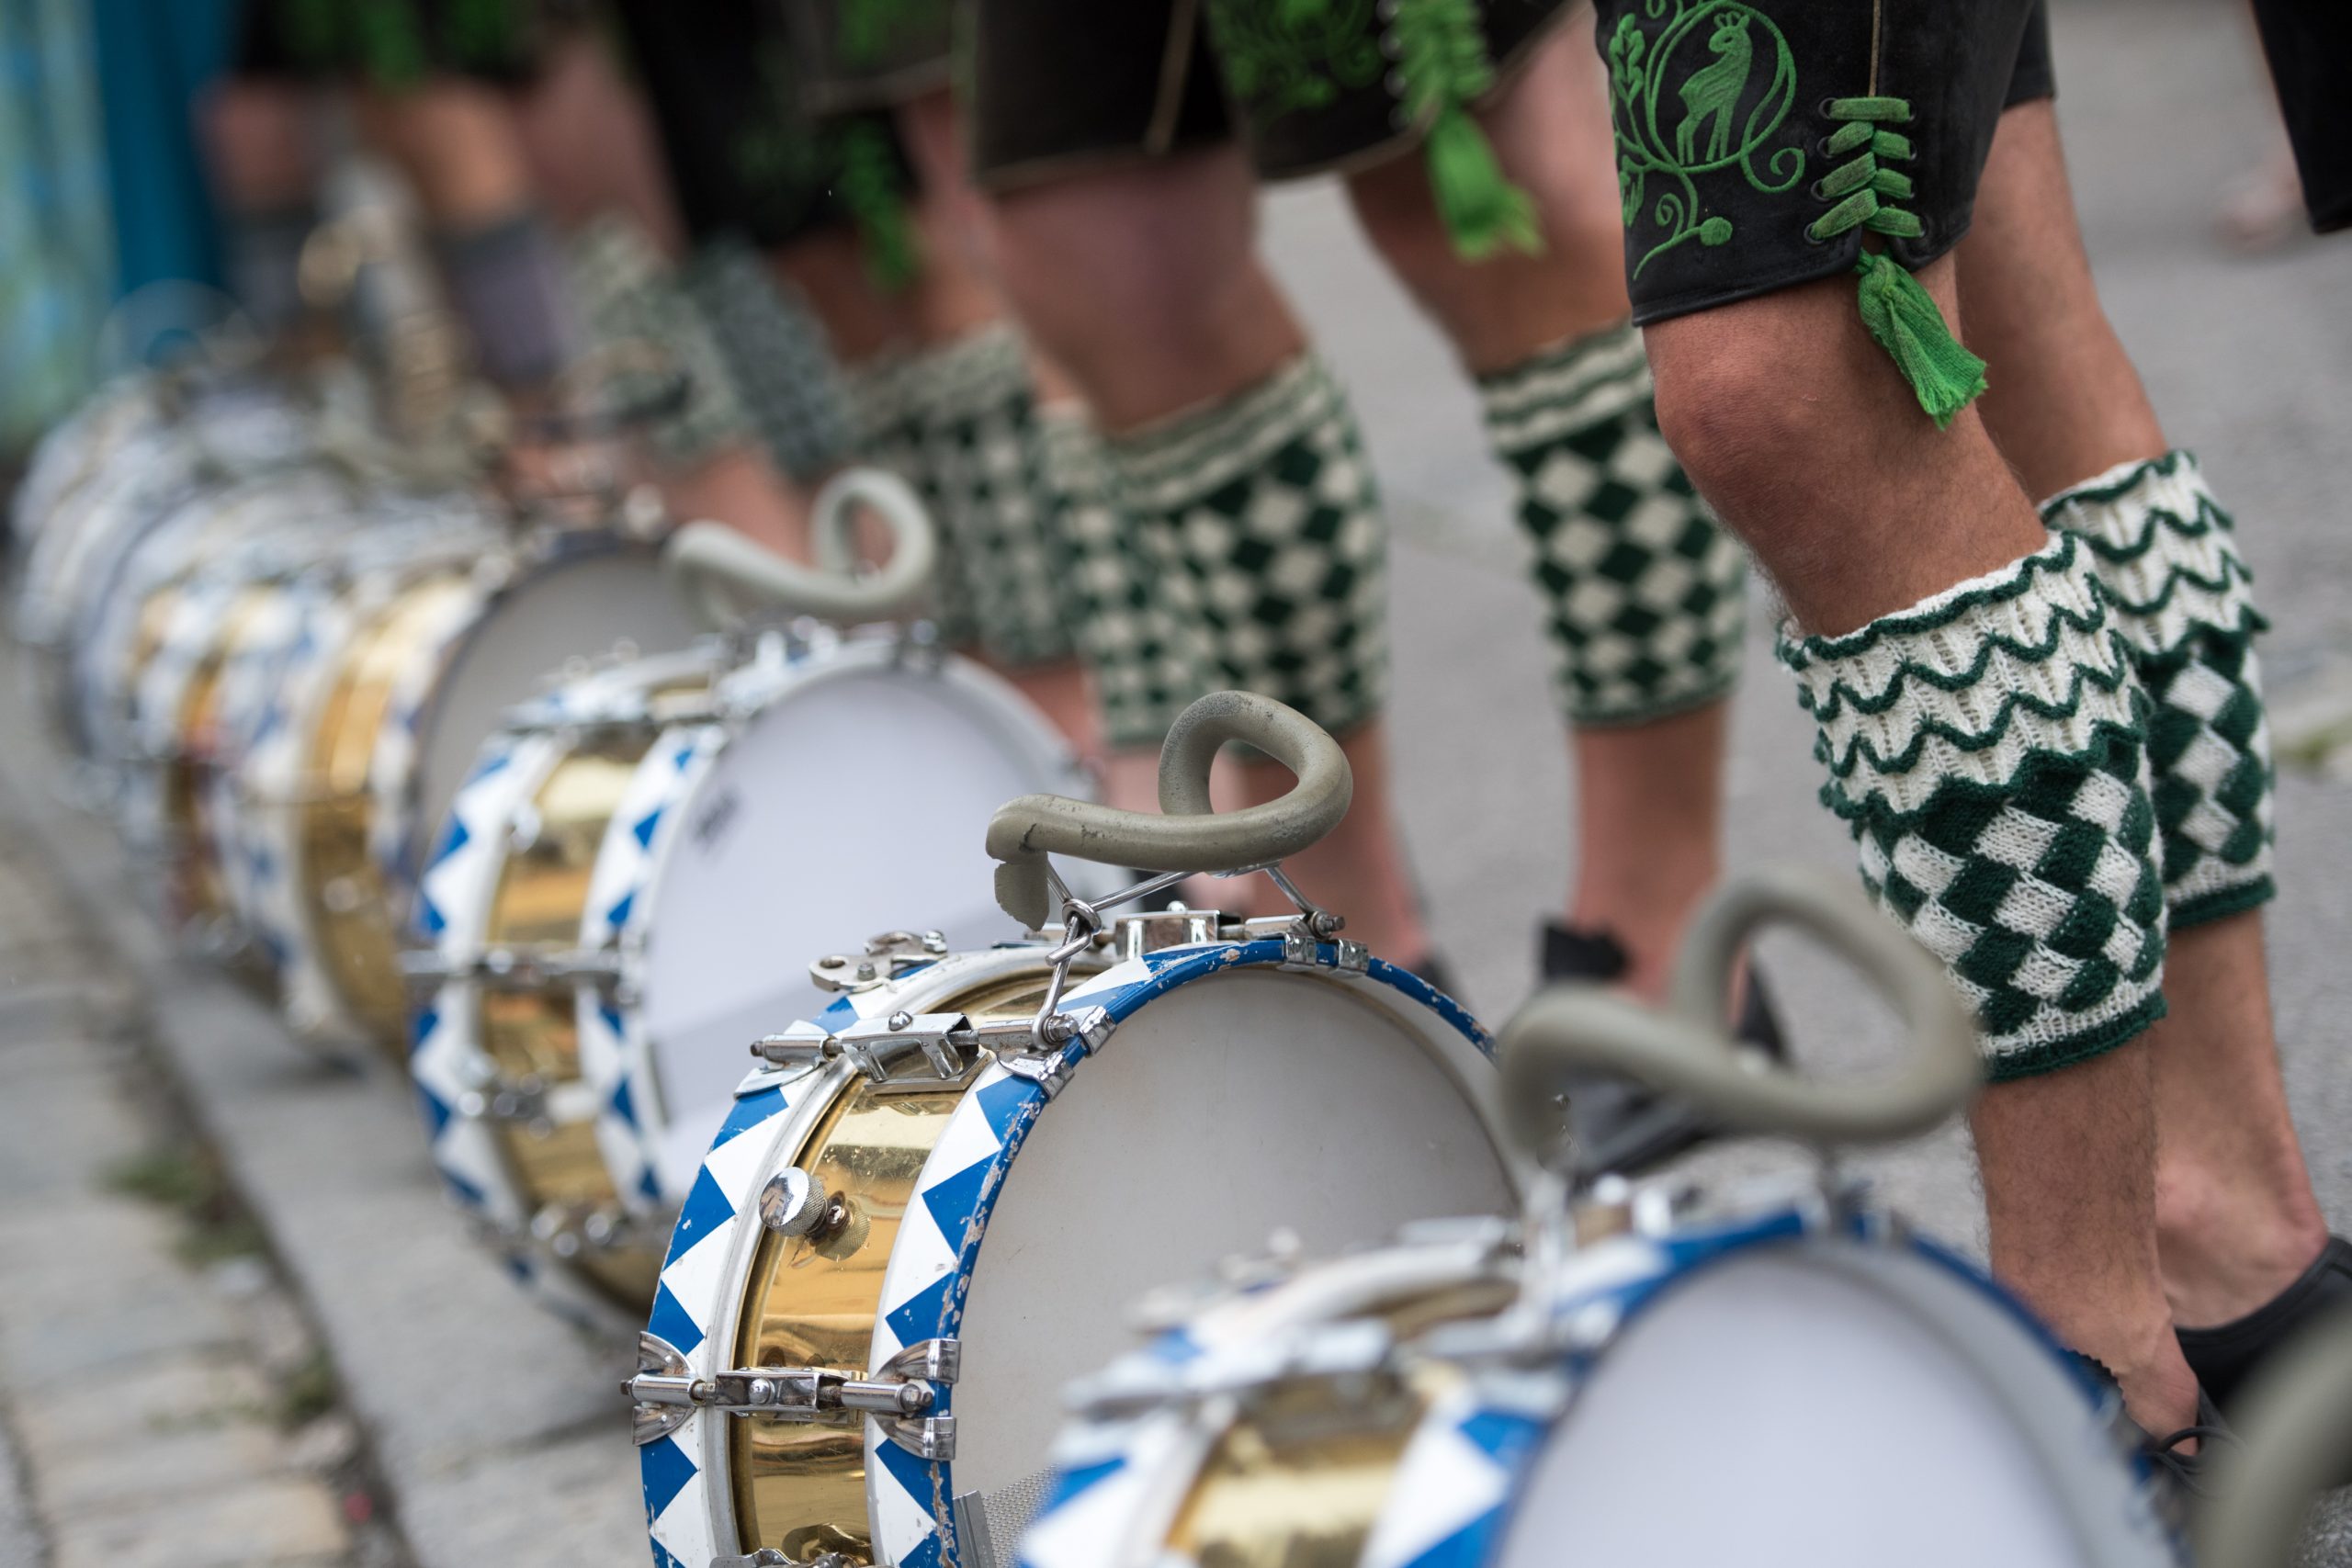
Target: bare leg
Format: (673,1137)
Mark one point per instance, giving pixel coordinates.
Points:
(1858,507)
(1650,796)
(1144,285)
(2235,1214)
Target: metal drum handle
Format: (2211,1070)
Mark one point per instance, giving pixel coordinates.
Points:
(2298,1442)
(720,570)
(1191,836)
(1683,1049)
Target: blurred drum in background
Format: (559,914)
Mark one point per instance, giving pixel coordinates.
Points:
(612,898)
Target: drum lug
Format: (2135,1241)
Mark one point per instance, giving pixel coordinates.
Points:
(902,1395)
(887,956)
(769,1557)
(1175,926)
(513,968)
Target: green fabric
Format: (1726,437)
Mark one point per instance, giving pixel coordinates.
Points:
(1262,522)
(1988,750)
(2182,599)
(1145,663)
(1442,68)
(1944,375)
(1643,592)
(1665,147)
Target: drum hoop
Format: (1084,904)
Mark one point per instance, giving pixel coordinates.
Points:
(1865,1246)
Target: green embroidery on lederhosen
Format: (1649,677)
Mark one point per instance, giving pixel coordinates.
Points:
(869,29)
(1676,88)
(783,147)
(1281,56)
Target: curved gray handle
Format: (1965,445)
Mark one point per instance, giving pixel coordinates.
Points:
(1190,836)
(2298,1433)
(719,569)
(1681,1050)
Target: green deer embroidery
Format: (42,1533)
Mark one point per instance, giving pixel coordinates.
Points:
(1647,58)
(1712,92)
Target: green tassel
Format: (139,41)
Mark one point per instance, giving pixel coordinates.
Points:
(1483,210)
(868,189)
(1907,325)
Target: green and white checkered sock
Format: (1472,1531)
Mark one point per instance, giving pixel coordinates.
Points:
(975,417)
(628,296)
(1144,665)
(2180,593)
(1644,591)
(774,353)
(1986,748)
(1263,521)
(886,429)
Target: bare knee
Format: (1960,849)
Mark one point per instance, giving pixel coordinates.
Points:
(1727,406)
(1144,283)
(259,134)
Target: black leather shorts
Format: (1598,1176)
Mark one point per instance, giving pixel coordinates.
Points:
(1058,86)
(1758,142)
(746,155)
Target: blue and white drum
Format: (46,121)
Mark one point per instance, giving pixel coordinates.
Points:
(915,1219)
(613,892)
(1790,1381)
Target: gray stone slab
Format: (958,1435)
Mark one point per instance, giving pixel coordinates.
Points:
(22,1543)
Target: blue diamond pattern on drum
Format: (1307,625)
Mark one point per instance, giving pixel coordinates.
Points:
(927,1555)
(649,1185)
(429,919)
(436,1112)
(706,1209)
(623,1105)
(455,838)
(918,1318)
(663,1468)
(643,828)
(662,1558)
(420,1028)
(617,916)
(749,1113)
(951,1202)
(1002,1102)
(671,1321)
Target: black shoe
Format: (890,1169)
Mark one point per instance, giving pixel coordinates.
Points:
(2223,1358)
(2183,1480)
(1621,1126)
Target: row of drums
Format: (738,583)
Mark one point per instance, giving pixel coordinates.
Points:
(904,1221)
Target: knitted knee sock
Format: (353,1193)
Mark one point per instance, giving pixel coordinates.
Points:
(776,355)
(1145,664)
(507,282)
(879,397)
(975,424)
(1985,747)
(1645,591)
(2178,591)
(1262,514)
(629,297)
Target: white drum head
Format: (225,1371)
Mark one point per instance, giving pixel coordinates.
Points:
(573,608)
(1819,1407)
(857,802)
(1230,1108)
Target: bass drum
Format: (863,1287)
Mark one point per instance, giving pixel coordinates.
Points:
(1788,1386)
(614,892)
(916,1213)
(425,673)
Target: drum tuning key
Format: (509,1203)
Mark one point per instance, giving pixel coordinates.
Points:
(900,1394)
(926,1049)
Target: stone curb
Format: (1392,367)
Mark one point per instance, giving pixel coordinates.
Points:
(498,1428)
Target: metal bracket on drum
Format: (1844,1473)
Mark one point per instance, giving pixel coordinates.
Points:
(899,1397)
(887,958)
(925,1050)
(512,968)
(769,1557)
